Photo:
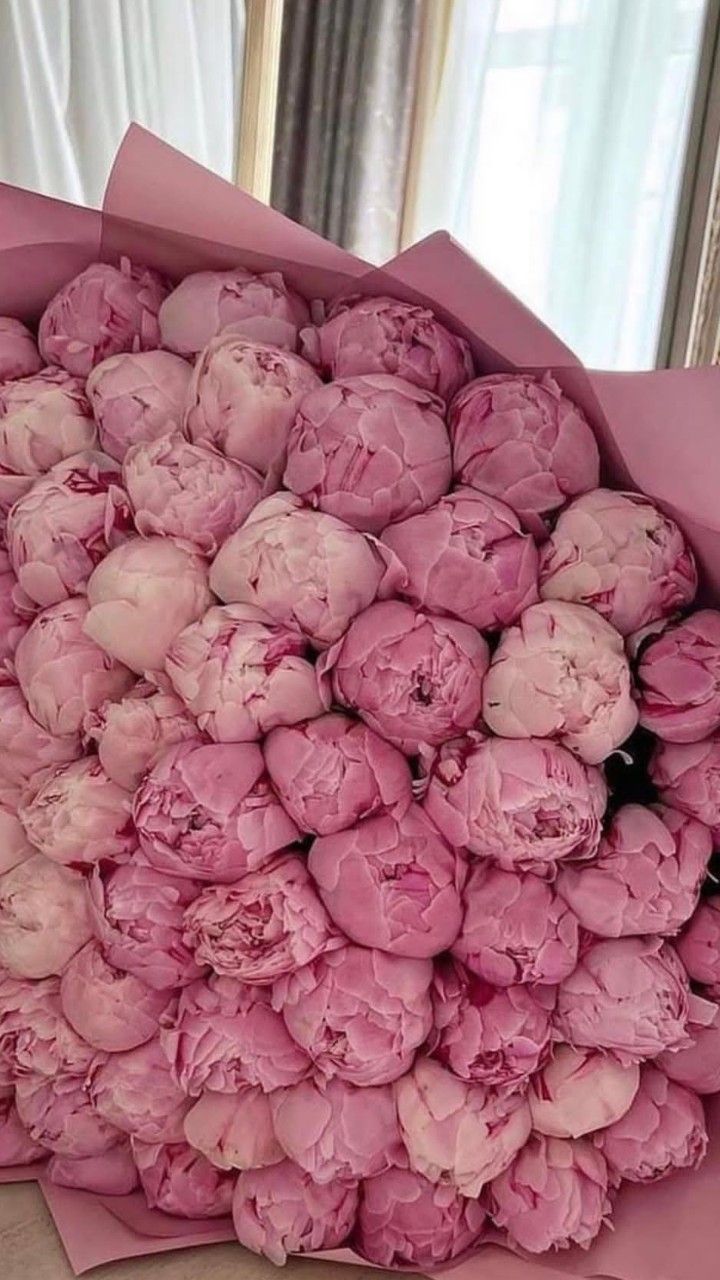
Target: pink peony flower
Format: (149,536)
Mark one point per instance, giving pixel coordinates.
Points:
(227,1035)
(135,1092)
(699,944)
(243,398)
(35,1037)
(526,805)
(19,357)
(234,1130)
(79,816)
(518,438)
(492,1036)
(336,1131)
(16,1145)
(415,679)
(102,311)
(561,673)
(57,1112)
(646,877)
(282,1210)
(14,844)
(142,595)
(241,674)
(111,1010)
(137,396)
(207,811)
(266,925)
(391,883)
(260,307)
(679,679)
(467,557)
(111,1174)
(629,995)
(360,1014)
(663,1130)
(137,914)
(687,776)
(698,1066)
(580,1090)
(27,750)
(13,619)
(43,419)
(62,672)
(553,1195)
(44,918)
(333,771)
(304,568)
(458,1132)
(188,491)
(405,1220)
(179,1180)
(132,734)
(369,450)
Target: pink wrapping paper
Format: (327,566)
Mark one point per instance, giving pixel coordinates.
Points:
(659,433)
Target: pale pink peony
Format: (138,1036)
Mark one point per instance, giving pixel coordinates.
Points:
(138,914)
(555,1194)
(383,335)
(698,1066)
(244,396)
(458,1132)
(207,811)
(44,918)
(369,450)
(14,844)
(234,1130)
(135,1092)
(43,419)
(415,679)
(178,1180)
(518,438)
(391,883)
(133,734)
(260,307)
(111,1010)
(35,1037)
(333,771)
(62,672)
(137,396)
(16,1145)
(561,673)
(78,816)
(687,776)
(226,1035)
(58,1113)
(27,751)
(336,1131)
(467,557)
(188,491)
(19,356)
(282,1210)
(699,944)
(111,1174)
(360,1014)
(304,568)
(679,679)
(663,1130)
(13,618)
(100,312)
(266,925)
(628,995)
(646,877)
(241,674)
(492,1036)
(525,805)
(141,596)
(405,1220)
(580,1090)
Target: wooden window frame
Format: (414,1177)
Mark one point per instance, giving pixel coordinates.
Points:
(258,110)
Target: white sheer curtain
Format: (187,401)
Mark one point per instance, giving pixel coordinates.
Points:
(74,73)
(555,153)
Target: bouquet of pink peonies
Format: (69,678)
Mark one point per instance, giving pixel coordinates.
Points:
(358,753)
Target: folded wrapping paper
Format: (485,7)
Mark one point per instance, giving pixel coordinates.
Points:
(658,433)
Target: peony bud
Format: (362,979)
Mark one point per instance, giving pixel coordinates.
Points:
(553,1195)
(336,1131)
(580,1090)
(281,1210)
(134,1092)
(78,816)
(679,680)
(178,1180)
(137,396)
(234,1130)
(44,918)
(19,357)
(405,1220)
(112,1010)
(259,307)
(133,734)
(663,1130)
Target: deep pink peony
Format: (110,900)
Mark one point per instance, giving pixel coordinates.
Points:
(679,679)
(111,1174)
(370,450)
(14,844)
(207,811)
(43,419)
(227,1035)
(467,557)
(102,311)
(16,1145)
(234,1130)
(337,1132)
(27,751)
(178,1180)
(415,679)
(561,673)
(281,1211)
(244,396)
(44,918)
(137,396)
(132,734)
(687,776)
(359,1014)
(405,1220)
(57,1112)
(391,883)
(698,1066)
(580,1090)
(553,1195)
(142,595)
(110,1009)
(79,816)
(699,944)
(188,491)
(35,1037)
(135,1092)
(19,356)
(138,915)
(260,307)
(663,1130)
(333,771)
(13,617)
(267,924)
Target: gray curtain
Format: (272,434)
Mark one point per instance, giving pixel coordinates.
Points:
(347,84)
